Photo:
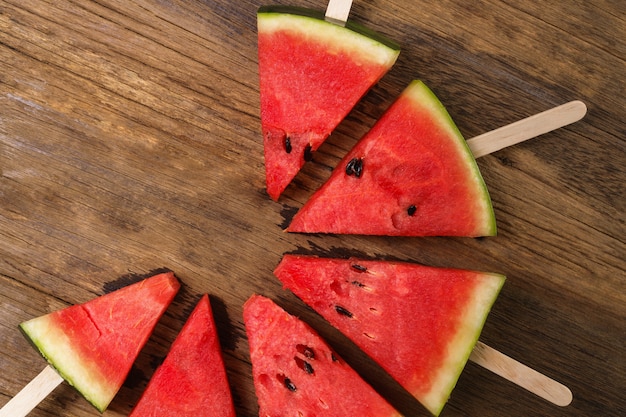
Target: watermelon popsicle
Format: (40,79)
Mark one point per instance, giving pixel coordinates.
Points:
(413,173)
(420,323)
(93,345)
(313,69)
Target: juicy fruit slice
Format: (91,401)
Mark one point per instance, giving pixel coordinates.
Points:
(419,323)
(312,73)
(295,372)
(93,345)
(412,174)
(192,380)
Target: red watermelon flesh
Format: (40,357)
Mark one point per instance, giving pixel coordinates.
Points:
(93,345)
(192,380)
(419,323)
(297,374)
(312,73)
(412,174)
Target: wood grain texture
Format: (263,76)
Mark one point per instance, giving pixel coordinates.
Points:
(130,141)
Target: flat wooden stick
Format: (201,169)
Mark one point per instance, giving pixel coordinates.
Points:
(520,374)
(527,128)
(338,11)
(32,394)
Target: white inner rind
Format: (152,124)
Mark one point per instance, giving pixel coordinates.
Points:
(59,351)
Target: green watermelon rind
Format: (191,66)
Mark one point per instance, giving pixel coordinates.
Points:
(57,349)
(421,93)
(319,16)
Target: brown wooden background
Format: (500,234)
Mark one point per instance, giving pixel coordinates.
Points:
(130,141)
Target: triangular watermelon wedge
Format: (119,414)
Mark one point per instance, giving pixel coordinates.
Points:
(296,373)
(419,323)
(93,345)
(412,174)
(312,73)
(192,380)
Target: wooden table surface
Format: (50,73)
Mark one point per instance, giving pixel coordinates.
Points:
(130,141)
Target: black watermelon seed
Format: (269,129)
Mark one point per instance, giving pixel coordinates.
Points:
(355,167)
(359,268)
(308,153)
(288,147)
(343,311)
(411,210)
(304,365)
(358,284)
(290,385)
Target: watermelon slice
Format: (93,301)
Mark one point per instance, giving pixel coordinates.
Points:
(93,345)
(312,73)
(412,174)
(192,380)
(419,323)
(295,372)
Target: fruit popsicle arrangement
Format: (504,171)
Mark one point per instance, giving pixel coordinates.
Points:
(413,174)
(336,288)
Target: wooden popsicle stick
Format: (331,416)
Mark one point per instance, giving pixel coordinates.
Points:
(521,375)
(337,11)
(32,394)
(527,128)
